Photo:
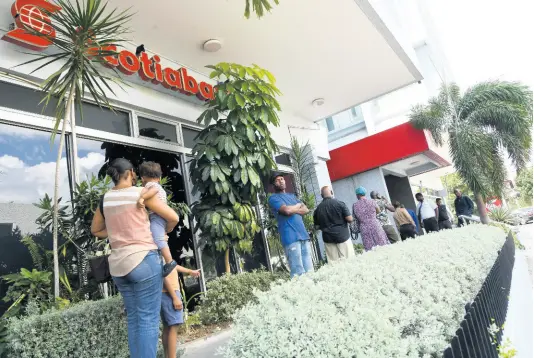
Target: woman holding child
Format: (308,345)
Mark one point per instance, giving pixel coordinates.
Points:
(135,262)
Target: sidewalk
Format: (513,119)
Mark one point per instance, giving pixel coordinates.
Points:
(519,319)
(206,347)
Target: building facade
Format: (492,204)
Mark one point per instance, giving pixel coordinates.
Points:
(153,122)
(372,144)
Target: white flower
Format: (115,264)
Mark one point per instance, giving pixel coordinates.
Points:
(403,300)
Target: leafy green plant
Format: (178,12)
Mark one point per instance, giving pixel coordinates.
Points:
(524,184)
(500,214)
(231,153)
(488,118)
(64,333)
(227,294)
(24,286)
(84,33)
(359,249)
(507,230)
(190,319)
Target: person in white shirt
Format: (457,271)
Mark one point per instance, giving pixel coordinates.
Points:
(427,213)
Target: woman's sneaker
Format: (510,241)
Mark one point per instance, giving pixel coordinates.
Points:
(167,268)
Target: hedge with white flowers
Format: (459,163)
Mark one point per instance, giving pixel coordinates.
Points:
(402,300)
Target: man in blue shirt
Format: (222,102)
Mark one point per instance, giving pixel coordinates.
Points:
(288,211)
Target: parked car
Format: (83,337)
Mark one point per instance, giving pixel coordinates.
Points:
(523,216)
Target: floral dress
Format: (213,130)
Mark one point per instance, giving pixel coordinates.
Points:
(365,222)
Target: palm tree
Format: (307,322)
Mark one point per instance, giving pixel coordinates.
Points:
(490,119)
(83,32)
(259,7)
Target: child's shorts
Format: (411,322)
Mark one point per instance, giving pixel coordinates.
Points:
(169,315)
(157,228)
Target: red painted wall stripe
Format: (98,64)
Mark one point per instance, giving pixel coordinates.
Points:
(379,149)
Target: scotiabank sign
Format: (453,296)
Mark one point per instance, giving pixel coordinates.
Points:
(28,14)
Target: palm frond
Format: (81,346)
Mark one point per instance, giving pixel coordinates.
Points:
(259,7)
(433,117)
(81,26)
(509,92)
(469,149)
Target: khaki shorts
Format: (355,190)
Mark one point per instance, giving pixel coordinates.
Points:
(339,251)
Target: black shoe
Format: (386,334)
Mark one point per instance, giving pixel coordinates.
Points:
(167,268)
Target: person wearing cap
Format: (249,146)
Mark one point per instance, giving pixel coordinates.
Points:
(384,206)
(365,222)
(288,211)
(332,217)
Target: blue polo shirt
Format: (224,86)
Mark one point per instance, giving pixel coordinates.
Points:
(291,228)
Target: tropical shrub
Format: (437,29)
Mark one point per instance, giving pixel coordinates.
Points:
(403,300)
(88,329)
(231,154)
(502,215)
(479,125)
(229,293)
(507,229)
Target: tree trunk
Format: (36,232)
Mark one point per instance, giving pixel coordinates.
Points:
(56,192)
(481,208)
(227,261)
(72,119)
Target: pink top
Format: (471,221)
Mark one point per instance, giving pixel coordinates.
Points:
(128,230)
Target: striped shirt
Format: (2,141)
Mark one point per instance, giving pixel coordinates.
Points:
(128,230)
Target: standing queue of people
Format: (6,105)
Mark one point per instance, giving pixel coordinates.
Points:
(369,218)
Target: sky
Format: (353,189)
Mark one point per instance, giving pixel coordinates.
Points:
(485,39)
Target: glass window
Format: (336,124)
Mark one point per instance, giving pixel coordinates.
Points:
(157,130)
(27,173)
(103,119)
(25,99)
(330,124)
(189,136)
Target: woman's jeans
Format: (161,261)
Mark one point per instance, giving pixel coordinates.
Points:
(141,292)
(299,257)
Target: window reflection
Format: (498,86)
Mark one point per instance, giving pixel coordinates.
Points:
(94,159)
(157,130)
(27,173)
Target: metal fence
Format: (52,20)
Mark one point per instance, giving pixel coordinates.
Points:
(473,339)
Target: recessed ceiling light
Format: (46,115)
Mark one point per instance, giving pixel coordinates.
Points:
(318,102)
(212,45)
(416,162)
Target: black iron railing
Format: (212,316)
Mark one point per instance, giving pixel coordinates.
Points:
(473,338)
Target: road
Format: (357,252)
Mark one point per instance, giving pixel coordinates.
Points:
(525,236)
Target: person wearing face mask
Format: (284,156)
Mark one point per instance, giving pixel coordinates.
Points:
(134,263)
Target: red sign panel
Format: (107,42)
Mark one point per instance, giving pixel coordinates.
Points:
(374,151)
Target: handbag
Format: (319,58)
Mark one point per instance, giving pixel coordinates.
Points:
(100,264)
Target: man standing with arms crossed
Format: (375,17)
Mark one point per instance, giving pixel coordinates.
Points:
(288,211)
(332,217)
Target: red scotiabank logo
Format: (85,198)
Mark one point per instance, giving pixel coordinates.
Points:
(29,14)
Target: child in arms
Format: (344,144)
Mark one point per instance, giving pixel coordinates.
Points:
(150,173)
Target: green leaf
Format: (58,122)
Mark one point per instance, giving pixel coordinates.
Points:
(244,176)
(254,177)
(237,175)
(250,134)
(240,100)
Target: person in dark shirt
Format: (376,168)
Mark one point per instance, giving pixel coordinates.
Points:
(332,217)
(463,206)
(444,217)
